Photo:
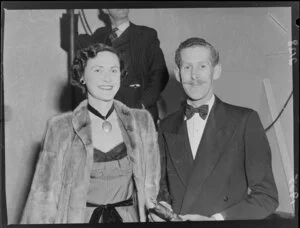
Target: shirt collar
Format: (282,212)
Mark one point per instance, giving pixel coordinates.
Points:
(210,103)
(122,27)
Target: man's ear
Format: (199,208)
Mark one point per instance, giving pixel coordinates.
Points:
(177,73)
(217,71)
(105,11)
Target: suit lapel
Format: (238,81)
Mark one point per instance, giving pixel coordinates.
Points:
(214,139)
(133,36)
(135,53)
(179,148)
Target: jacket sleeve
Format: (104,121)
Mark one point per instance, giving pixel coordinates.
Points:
(152,163)
(42,201)
(263,197)
(158,75)
(163,187)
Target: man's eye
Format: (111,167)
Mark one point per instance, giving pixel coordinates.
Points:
(186,67)
(115,70)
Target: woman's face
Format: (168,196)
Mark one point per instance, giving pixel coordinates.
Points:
(102,76)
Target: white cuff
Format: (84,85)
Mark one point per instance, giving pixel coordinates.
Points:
(218,217)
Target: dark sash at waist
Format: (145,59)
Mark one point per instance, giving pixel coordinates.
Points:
(108,212)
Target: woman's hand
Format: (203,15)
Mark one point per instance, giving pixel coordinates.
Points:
(196,217)
(166,205)
(155,218)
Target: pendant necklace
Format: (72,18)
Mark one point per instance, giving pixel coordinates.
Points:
(106,125)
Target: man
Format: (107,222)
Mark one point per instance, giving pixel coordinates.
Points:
(216,163)
(147,74)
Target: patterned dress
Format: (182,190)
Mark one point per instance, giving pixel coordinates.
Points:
(111,182)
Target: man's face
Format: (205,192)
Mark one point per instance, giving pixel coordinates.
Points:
(118,14)
(102,76)
(197,73)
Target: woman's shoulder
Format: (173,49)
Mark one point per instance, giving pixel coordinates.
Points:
(143,119)
(135,112)
(60,121)
(58,130)
(141,116)
(142,113)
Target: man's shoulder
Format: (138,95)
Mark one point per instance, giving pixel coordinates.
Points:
(238,112)
(144,29)
(237,108)
(170,119)
(101,31)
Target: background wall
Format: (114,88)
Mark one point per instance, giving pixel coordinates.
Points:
(253,44)
(35,74)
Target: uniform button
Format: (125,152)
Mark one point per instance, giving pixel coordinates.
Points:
(225,198)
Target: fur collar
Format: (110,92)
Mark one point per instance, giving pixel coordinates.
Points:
(81,121)
(80,115)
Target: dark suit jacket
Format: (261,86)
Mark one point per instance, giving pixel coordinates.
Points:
(233,155)
(147,59)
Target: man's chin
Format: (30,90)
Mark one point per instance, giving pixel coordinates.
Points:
(195,98)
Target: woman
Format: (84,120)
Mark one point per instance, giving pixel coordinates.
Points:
(99,163)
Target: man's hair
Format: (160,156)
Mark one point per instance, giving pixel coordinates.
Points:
(82,57)
(196,41)
(104,18)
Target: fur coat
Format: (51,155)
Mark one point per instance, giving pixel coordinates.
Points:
(61,181)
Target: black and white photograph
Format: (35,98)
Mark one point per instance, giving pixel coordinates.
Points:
(149,112)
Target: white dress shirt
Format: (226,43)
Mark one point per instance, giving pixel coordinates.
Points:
(122,28)
(195,127)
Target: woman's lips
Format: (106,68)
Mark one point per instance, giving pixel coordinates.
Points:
(105,87)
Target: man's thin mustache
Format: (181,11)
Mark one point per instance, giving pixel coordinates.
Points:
(194,83)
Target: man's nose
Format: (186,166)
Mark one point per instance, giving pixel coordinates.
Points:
(196,74)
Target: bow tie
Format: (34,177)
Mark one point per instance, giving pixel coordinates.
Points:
(190,111)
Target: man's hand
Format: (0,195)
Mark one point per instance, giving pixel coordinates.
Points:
(195,217)
(154,218)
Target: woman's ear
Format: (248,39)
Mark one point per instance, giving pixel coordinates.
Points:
(217,71)
(177,73)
